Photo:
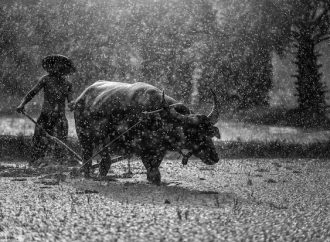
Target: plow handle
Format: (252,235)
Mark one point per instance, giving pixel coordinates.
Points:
(53,138)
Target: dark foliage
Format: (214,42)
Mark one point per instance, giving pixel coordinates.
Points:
(186,47)
(251,31)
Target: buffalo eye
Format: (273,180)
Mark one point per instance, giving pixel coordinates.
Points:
(216,132)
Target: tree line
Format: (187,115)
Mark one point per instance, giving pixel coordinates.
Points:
(186,47)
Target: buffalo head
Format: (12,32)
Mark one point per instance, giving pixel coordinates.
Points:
(197,131)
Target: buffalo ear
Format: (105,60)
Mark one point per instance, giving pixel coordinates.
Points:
(216,132)
(164,103)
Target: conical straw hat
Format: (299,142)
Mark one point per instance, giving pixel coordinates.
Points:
(59,64)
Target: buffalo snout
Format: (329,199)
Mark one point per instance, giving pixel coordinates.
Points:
(208,158)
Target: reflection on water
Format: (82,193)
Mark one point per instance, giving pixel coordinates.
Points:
(229,131)
(23,126)
(248,132)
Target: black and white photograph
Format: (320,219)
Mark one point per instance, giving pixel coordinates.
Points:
(165,120)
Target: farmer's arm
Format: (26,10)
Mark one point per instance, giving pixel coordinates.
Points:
(30,95)
(70,92)
(70,97)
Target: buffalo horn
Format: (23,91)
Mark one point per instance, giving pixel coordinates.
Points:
(215,113)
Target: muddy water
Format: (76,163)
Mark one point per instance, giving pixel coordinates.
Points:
(10,125)
(249,132)
(234,200)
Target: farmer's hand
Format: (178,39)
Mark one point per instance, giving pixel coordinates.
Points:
(20,109)
(71,105)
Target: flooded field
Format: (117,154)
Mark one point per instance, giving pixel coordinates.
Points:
(18,125)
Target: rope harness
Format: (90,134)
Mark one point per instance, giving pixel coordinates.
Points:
(110,143)
(185,157)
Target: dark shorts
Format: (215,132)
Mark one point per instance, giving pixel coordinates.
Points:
(55,124)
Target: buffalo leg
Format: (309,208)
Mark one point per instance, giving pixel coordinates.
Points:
(82,128)
(129,166)
(152,163)
(87,154)
(105,164)
(129,172)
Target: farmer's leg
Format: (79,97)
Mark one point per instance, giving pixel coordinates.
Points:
(83,128)
(151,163)
(128,173)
(39,140)
(105,163)
(87,152)
(61,128)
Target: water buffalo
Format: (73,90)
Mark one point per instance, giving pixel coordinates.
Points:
(106,109)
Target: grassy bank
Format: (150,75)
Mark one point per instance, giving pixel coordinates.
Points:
(19,147)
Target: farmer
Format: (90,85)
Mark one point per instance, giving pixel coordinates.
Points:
(56,90)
